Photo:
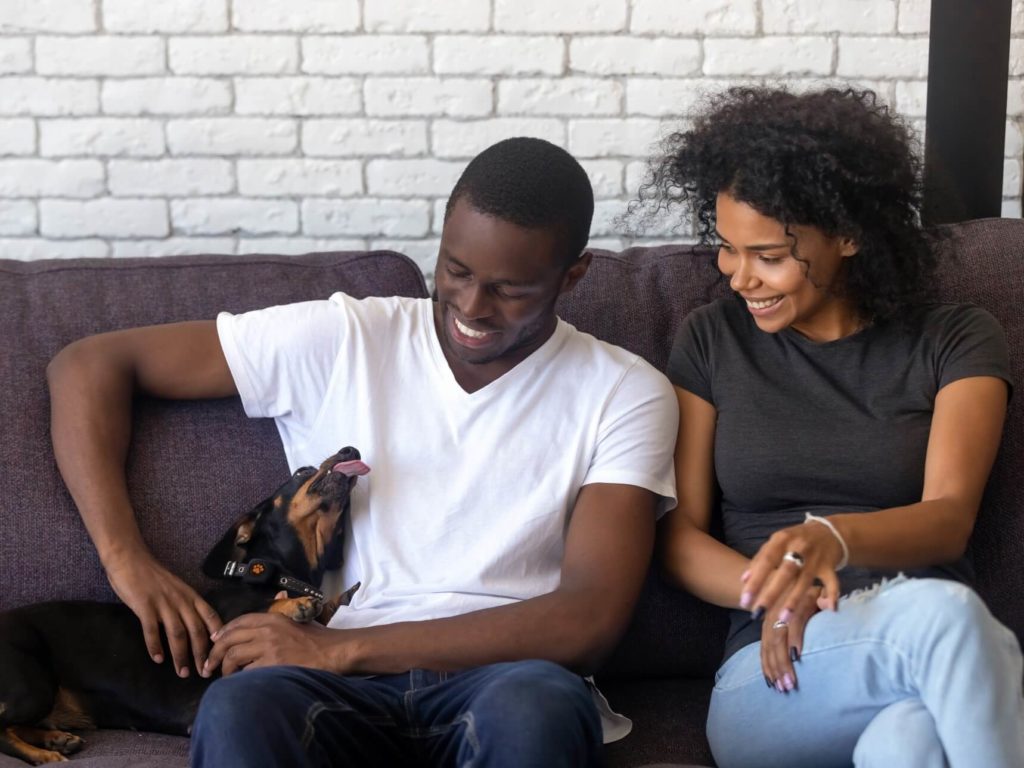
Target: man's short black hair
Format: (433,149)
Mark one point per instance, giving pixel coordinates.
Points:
(533,184)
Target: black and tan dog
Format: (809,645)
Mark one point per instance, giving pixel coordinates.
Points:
(82,665)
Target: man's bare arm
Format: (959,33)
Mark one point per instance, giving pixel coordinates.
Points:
(607,553)
(92,382)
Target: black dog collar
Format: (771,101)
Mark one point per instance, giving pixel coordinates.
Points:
(258,571)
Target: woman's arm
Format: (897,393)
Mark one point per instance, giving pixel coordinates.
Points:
(962,444)
(691,558)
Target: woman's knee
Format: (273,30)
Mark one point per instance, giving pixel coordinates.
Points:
(902,734)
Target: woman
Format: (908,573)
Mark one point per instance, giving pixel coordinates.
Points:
(849,427)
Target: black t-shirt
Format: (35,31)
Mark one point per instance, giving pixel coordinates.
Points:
(828,427)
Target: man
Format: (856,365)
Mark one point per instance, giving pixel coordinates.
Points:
(502,538)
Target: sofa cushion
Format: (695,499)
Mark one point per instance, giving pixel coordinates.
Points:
(193,467)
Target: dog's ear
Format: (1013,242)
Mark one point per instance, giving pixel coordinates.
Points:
(232,544)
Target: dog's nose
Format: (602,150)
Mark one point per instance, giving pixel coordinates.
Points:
(348,453)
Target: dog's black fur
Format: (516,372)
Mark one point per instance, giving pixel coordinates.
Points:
(79,665)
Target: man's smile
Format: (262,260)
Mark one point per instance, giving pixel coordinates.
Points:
(470,337)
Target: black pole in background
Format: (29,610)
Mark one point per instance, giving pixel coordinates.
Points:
(968,62)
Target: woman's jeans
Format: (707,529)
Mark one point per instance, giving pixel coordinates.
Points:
(523,714)
(915,672)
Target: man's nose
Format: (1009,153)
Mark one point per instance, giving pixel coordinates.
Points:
(475,302)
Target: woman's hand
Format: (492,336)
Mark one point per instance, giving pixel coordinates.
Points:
(786,566)
(782,642)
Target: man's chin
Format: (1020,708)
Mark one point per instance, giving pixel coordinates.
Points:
(474,356)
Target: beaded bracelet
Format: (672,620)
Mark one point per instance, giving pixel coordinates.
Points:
(809,518)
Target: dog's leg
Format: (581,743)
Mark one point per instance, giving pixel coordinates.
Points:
(50,738)
(12,743)
(331,607)
(300,609)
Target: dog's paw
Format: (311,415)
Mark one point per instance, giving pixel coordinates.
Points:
(300,609)
(63,742)
(42,757)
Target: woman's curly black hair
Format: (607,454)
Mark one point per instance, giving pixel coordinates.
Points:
(837,160)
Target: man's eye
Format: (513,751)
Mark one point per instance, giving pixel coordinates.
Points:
(458,275)
(509,294)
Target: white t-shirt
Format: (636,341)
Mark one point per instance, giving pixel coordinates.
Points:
(470,494)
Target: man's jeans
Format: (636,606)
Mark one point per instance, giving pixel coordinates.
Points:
(913,673)
(527,713)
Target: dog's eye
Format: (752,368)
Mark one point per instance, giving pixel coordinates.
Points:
(305,471)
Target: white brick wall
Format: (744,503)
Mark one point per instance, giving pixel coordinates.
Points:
(136,129)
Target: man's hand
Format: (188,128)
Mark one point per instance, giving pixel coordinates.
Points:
(159,598)
(267,639)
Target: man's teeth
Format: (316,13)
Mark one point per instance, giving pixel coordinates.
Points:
(469,331)
(763,304)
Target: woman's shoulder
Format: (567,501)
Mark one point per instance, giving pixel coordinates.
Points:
(946,321)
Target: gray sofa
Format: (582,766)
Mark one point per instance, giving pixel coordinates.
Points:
(193,467)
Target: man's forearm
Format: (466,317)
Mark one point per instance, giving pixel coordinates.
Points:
(570,629)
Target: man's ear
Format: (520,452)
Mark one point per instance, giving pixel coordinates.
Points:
(232,544)
(576,272)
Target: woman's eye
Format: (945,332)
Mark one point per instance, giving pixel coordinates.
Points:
(769,259)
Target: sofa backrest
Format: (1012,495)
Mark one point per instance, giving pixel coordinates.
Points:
(193,467)
(637,299)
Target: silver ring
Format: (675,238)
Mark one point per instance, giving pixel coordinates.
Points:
(795,558)
(780,624)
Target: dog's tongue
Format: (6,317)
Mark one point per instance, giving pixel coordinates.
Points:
(349,468)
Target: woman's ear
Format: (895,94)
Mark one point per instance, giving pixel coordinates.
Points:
(848,247)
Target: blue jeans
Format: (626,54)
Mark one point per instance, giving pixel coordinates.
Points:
(913,673)
(526,713)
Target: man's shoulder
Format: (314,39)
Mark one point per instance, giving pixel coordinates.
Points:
(587,351)
(378,305)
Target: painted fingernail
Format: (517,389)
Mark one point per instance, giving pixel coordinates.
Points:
(788,682)
(786,615)
(768,682)
(794,654)
(745,575)
(757,613)
(158,658)
(183,672)
(779,686)
(745,599)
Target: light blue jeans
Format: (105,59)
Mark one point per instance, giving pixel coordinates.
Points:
(912,673)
